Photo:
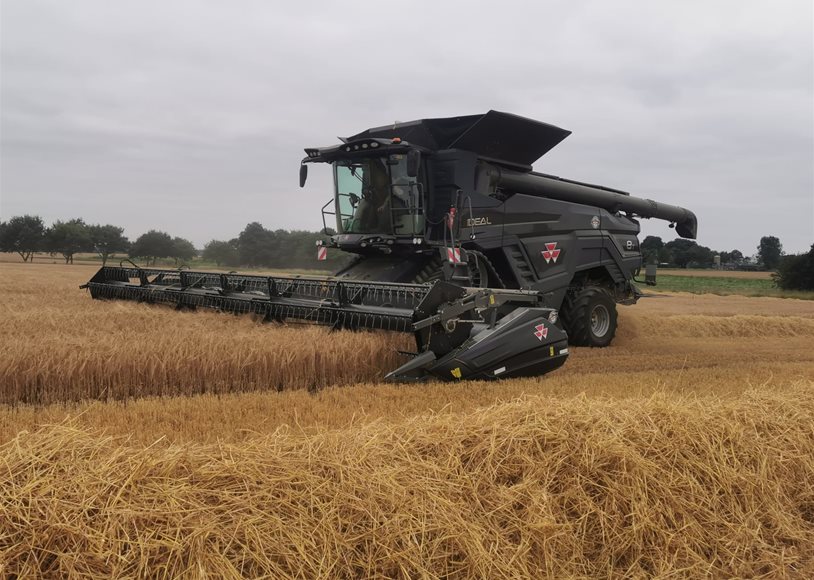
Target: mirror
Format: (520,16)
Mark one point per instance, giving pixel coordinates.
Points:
(413,162)
(303,174)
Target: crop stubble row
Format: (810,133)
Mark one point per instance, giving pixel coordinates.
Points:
(671,485)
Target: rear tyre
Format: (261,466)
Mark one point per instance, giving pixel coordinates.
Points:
(589,317)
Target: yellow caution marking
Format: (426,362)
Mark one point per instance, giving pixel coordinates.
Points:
(551,351)
(491,298)
(456,372)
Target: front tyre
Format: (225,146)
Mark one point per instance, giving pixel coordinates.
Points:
(589,317)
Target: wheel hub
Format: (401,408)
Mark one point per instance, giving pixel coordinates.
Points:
(600,320)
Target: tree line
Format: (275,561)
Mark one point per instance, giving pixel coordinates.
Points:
(689,254)
(789,272)
(255,246)
(27,234)
(258,247)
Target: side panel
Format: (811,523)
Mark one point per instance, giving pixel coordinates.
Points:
(558,238)
(621,245)
(480,221)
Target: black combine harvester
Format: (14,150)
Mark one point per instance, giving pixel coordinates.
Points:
(457,241)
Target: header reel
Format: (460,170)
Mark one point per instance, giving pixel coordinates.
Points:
(460,333)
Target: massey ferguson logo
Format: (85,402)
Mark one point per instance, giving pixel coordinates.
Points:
(551,253)
(541,332)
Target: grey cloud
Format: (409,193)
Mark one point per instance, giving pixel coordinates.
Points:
(192,116)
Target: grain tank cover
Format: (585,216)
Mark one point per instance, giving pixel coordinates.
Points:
(493,135)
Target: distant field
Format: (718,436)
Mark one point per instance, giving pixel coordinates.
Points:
(715,274)
(723,283)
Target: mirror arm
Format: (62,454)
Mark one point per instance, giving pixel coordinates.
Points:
(303,174)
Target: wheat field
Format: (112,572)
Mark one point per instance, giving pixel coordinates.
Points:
(138,441)
(58,345)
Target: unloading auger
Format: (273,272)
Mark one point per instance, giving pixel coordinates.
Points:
(460,333)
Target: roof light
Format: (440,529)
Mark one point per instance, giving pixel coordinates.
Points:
(364,145)
(374,144)
(347,148)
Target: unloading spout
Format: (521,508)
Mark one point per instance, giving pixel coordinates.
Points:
(610,199)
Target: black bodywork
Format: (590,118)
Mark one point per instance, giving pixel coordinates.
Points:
(475,191)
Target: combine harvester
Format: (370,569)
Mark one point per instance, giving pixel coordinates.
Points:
(457,241)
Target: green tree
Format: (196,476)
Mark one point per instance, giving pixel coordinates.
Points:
(681,251)
(183,249)
(222,253)
(650,248)
(665,256)
(69,238)
(257,246)
(796,272)
(686,253)
(769,251)
(23,235)
(152,245)
(733,257)
(108,240)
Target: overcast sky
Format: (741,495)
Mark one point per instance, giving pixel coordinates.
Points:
(191,117)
